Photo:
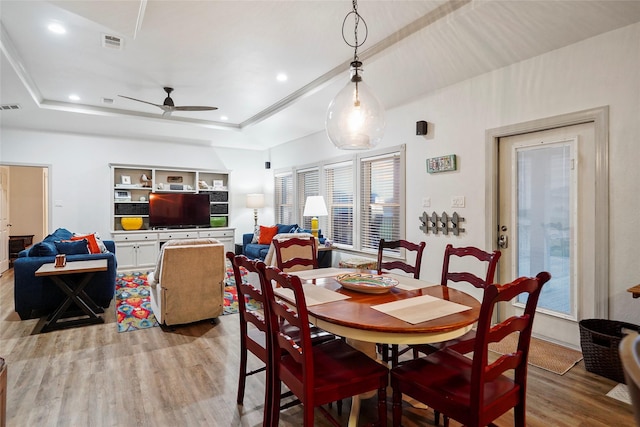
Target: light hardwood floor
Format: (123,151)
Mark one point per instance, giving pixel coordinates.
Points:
(95,376)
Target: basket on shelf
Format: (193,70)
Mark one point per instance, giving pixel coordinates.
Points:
(599,339)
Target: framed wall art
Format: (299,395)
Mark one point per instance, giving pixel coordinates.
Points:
(441,164)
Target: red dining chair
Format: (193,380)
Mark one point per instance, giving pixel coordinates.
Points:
(316,374)
(491,260)
(254,328)
(252,338)
(394,353)
(474,391)
(414,269)
(296,253)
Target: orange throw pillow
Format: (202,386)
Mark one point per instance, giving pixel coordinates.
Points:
(266,234)
(92,243)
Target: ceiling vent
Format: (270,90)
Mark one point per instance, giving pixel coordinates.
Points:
(10,107)
(111,42)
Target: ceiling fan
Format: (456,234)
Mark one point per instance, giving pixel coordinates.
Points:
(169,107)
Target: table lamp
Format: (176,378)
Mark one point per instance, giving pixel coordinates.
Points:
(255,201)
(315,207)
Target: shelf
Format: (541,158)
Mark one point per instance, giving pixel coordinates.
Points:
(126,180)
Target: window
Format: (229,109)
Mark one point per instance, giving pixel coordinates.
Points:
(380,200)
(308,183)
(284,199)
(364,194)
(339,199)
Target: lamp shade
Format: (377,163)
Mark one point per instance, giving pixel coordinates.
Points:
(255,201)
(315,206)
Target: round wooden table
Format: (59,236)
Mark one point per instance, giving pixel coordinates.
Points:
(355,319)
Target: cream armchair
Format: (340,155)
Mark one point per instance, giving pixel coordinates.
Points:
(188,282)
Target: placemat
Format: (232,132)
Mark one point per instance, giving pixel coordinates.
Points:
(408,283)
(313,295)
(420,309)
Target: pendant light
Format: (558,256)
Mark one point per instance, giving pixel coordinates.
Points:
(355,117)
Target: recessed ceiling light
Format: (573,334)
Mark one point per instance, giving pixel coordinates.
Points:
(74,97)
(282,77)
(56,28)
(225,118)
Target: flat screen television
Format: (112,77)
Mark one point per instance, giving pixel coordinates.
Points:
(179,210)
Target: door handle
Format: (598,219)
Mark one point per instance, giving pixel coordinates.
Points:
(503,241)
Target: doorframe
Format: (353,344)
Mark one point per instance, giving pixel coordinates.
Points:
(599,116)
(49,168)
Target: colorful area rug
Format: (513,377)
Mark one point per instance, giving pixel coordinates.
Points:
(542,354)
(133,309)
(231,294)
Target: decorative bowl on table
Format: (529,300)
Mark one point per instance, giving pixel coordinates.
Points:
(366,282)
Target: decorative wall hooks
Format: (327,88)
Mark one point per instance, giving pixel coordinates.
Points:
(444,224)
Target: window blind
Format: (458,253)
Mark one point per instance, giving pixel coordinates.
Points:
(308,184)
(284,198)
(339,184)
(380,200)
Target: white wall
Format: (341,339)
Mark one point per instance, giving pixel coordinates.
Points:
(80,173)
(600,71)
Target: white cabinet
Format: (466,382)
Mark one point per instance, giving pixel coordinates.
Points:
(136,251)
(225,236)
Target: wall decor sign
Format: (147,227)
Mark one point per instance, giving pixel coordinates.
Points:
(174,179)
(441,164)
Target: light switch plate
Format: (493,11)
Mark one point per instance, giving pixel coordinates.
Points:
(457,202)
(426,202)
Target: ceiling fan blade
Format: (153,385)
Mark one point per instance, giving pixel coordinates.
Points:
(140,100)
(195,108)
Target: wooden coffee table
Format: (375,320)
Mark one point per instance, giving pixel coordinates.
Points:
(72,279)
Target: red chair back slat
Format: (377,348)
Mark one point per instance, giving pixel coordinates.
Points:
(414,269)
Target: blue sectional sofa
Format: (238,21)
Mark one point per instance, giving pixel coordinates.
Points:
(36,296)
(258,251)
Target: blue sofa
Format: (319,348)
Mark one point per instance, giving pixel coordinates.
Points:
(36,296)
(257,251)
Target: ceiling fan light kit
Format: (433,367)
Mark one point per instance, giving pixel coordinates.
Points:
(168,105)
(355,117)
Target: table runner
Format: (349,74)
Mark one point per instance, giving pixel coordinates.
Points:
(313,295)
(420,309)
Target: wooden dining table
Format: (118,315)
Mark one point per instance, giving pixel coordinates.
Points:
(356,319)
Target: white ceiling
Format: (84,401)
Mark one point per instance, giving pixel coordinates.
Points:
(227,54)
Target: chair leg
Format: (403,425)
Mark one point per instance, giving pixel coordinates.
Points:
(396,407)
(519,416)
(382,406)
(242,377)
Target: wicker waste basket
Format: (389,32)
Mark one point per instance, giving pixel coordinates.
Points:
(599,339)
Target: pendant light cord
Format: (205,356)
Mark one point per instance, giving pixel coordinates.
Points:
(357,19)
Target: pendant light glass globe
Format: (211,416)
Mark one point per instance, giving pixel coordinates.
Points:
(355,117)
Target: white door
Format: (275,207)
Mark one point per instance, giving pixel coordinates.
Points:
(546,194)
(4,218)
